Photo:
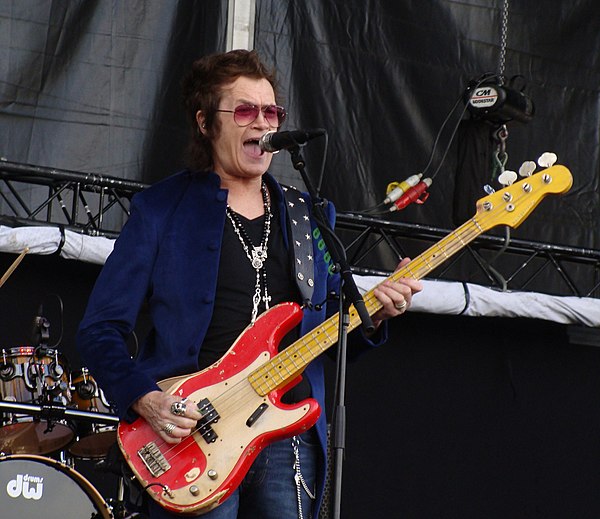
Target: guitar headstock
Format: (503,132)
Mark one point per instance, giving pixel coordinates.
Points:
(511,205)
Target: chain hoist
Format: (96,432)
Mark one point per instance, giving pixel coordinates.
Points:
(503,39)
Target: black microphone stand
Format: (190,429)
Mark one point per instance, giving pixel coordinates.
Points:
(349,294)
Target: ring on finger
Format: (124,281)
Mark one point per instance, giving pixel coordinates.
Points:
(178,408)
(169,428)
(401,306)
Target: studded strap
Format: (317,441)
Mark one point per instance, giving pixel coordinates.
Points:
(301,240)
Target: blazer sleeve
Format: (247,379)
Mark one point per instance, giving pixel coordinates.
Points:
(112,312)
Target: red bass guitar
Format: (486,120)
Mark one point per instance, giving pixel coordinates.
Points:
(240,395)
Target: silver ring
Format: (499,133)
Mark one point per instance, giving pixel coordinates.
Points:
(401,306)
(169,428)
(178,408)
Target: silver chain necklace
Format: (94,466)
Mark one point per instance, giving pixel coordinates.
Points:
(257,255)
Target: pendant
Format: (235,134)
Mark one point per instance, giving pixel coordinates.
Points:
(259,255)
(266,299)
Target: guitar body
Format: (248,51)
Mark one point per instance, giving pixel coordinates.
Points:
(206,467)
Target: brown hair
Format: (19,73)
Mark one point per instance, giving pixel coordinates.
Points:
(202,88)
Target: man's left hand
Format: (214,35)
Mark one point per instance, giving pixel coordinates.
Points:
(395,296)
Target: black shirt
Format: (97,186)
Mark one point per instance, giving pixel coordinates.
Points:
(236,286)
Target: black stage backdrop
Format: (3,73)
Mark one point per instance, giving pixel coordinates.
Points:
(455,417)
(93,86)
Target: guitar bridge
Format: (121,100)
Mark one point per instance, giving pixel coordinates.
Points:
(209,416)
(154,460)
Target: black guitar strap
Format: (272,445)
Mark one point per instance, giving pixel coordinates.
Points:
(301,241)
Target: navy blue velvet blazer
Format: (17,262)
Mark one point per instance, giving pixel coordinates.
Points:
(167,256)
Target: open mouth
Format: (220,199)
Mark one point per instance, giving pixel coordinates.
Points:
(252,148)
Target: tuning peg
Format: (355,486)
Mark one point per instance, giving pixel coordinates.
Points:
(547,159)
(489,190)
(507,177)
(527,168)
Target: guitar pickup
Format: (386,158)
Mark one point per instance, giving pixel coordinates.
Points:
(256,414)
(209,416)
(154,460)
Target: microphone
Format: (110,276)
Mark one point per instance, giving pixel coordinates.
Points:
(417,194)
(86,390)
(7,371)
(274,141)
(41,329)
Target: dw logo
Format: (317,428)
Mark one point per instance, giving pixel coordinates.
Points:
(30,487)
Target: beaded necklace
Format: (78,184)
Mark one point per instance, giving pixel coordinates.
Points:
(257,255)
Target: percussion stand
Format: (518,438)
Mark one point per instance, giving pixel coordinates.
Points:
(39,340)
(57,411)
(45,396)
(66,459)
(118,508)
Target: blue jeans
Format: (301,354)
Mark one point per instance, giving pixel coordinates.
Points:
(269,489)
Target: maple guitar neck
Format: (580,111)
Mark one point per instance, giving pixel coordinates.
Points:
(509,206)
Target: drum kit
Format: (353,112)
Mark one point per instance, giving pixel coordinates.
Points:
(50,419)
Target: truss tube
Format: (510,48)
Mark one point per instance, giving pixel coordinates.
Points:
(27,172)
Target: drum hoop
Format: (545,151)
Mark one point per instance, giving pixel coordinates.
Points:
(29,351)
(79,478)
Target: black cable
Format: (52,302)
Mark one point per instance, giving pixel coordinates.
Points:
(473,87)
(467,298)
(61,307)
(322,172)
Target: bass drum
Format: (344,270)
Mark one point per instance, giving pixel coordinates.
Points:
(34,486)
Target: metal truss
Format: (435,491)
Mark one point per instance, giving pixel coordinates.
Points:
(374,246)
(92,204)
(98,205)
